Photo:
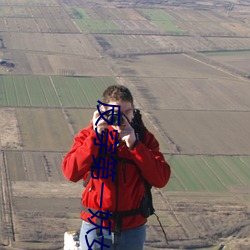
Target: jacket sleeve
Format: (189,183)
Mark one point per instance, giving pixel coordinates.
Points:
(78,160)
(151,161)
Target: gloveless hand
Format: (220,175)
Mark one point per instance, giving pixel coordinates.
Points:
(126,133)
(101,125)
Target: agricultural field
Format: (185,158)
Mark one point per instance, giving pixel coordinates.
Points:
(97,25)
(51,44)
(129,45)
(48,3)
(216,132)
(54,54)
(224,43)
(168,66)
(10,136)
(209,173)
(198,97)
(33,17)
(65,65)
(23,166)
(162,20)
(66,53)
(111,20)
(54,91)
(33,25)
(199,216)
(115,14)
(39,130)
(197,86)
(209,22)
(236,59)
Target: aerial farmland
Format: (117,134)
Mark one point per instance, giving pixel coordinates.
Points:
(187,64)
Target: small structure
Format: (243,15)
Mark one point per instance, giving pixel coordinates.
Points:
(8,65)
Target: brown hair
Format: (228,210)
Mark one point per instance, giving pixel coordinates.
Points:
(117,93)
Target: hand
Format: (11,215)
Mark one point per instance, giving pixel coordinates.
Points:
(101,125)
(126,133)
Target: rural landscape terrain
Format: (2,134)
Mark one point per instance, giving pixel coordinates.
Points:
(187,63)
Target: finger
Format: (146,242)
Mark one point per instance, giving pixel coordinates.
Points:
(102,109)
(101,126)
(96,114)
(97,120)
(101,122)
(126,123)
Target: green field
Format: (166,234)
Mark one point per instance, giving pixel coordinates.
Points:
(156,15)
(87,23)
(226,53)
(92,25)
(161,19)
(79,13)
(208,173)
(55,91)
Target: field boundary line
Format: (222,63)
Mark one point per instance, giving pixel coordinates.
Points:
(69,123)
(96,84)
(14,85)
(7,207)
(197,177)
(79,29)
(182,184)
(42,88)
(65,115)
(248,167)
(71,19)
(214,172)
(27,89)
(41,52)
(174,147)
(9,100)
(69,90)
(25,168)
(174,213)
(5,93)
(216,67)
(232,171)
(79,83)
(54,87)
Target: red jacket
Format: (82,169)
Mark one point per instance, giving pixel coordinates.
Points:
(148,162)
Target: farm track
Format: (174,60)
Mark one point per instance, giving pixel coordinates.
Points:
(219,66)
(172,211)
(7,227)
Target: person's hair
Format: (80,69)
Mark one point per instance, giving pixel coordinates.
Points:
(117,93)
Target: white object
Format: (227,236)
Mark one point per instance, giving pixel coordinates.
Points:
(71,240)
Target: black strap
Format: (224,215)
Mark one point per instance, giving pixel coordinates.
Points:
(121,214)
(117,216)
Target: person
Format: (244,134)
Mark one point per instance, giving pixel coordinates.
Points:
(106,222)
